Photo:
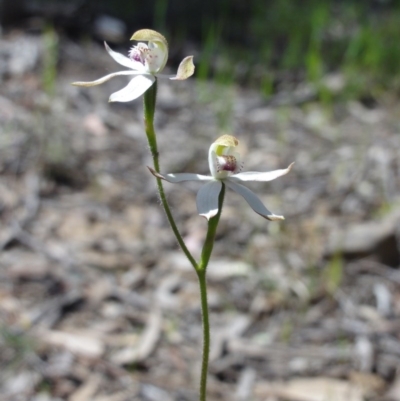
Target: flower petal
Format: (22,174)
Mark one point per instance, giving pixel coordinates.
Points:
(156,59)
(148,35)
(207,199)
(153,37)
(123,60)
(180,177)
(256,176)
(136,87)
(225,140)
(185,69)
(252,199)
(104,79)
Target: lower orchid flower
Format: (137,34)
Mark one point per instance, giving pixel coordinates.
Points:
(225,166)
(145,62)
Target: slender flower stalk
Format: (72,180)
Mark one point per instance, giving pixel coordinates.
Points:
(206,334)
(145,63)
(201,274)
(149,109)
(201,266)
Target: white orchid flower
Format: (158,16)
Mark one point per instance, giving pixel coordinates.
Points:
(225,167)
(145,62)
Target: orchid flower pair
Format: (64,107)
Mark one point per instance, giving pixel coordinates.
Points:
(225,166)
(145,62)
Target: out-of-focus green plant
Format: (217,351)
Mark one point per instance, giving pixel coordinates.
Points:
(290,41)
(216,62)
(50,58)
(269,42)
(314,60)
(18,344)
(160,14)
(210,44)
(333,274)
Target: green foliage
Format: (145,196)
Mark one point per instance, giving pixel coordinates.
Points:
(304,41)
(334,274)
(18,344)
(50,58)
(219,95)
(287,330)
(268,44)
(160,15)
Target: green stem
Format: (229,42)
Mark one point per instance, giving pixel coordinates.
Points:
(201,267)
(201,274)
(210,238)
(206,334)
(149,109)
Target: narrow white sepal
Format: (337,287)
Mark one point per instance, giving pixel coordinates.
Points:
(105,78)
(136,87)
(257,176)
(125,61)
(180,177)
(252,199)
(207,199)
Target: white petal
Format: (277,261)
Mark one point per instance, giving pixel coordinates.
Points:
(256,176)
(252,200)
(212,161)
(136,87)
(180,177)
(156,59)
(207,199)
(105,78)
(123,60)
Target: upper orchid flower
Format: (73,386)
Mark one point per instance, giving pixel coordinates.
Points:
(146,62)
(225,166)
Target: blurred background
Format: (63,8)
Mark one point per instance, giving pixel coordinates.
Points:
(96,301)
(262,44)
